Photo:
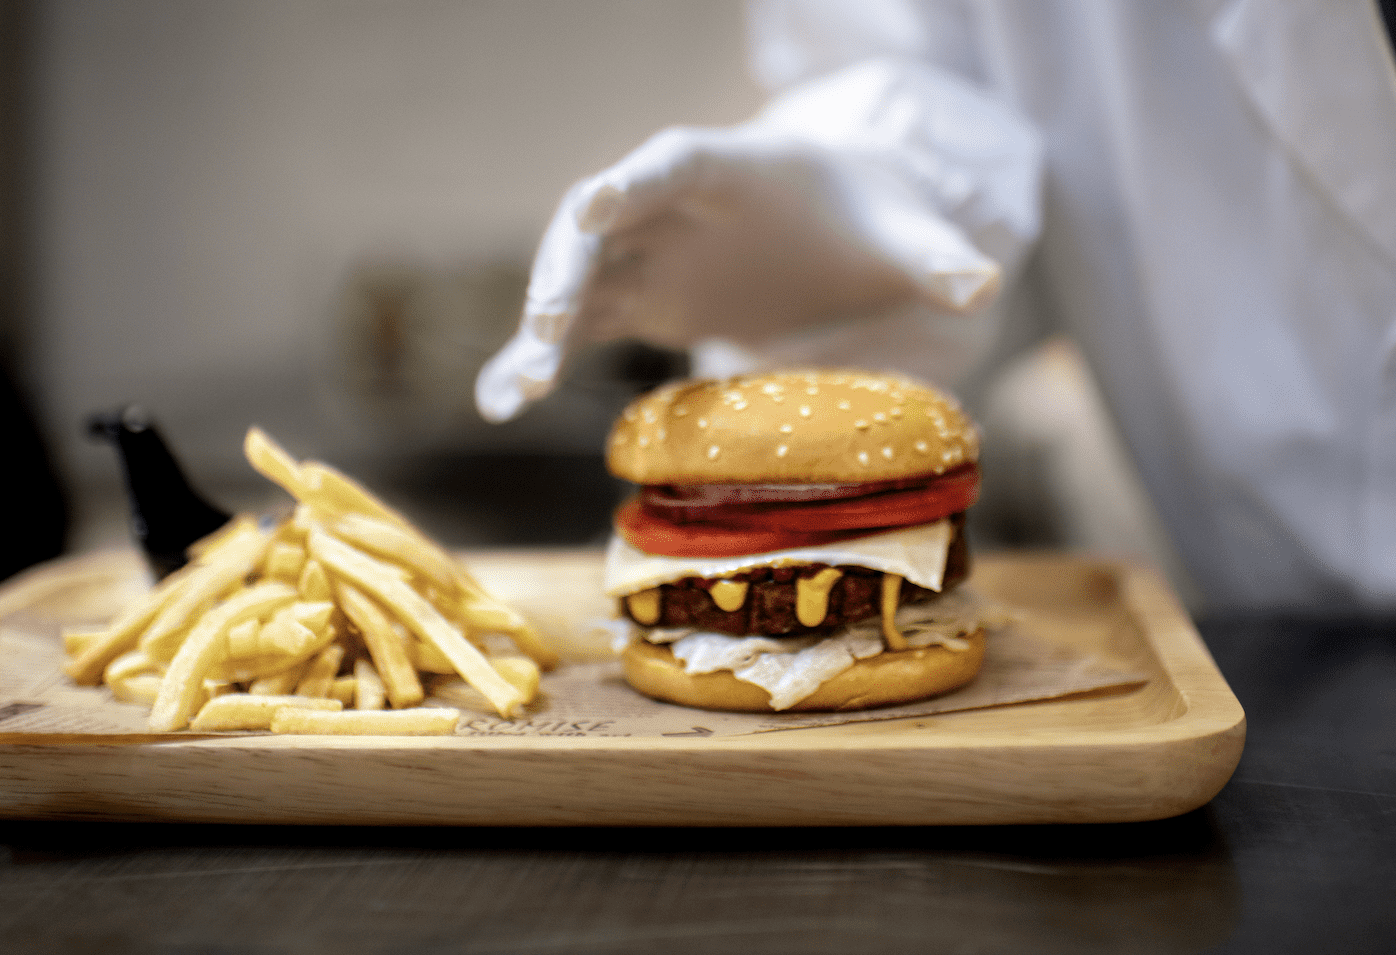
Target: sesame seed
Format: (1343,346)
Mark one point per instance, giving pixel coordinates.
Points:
(879,417)
(804,411)
(680,411)
(661,434)
(922,447)
(844,406)
(811,390)
(782,450)
(862,457)
(887,452)
(896,411)
(860,424)
(713,452)
(702,422)
(738,405)
(649,416)
(786,428)
(644,442)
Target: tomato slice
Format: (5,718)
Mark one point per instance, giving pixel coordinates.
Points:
(730,530)
(654,535)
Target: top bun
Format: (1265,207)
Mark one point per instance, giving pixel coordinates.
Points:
(790,427)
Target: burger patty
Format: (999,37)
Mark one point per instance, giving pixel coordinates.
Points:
(769,607)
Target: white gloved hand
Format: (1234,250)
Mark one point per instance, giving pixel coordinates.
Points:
(849,196)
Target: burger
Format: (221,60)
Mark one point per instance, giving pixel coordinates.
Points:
(796,542)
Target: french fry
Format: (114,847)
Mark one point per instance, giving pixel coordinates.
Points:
(277,610)
(314,583)
(242,639)
(198,551)
(426,657)
(483,612)
(518,670)
(124,632)
(417,613)
(400,680)
(280,643)
(201,649)
(405,546)
(334,494)
(129,664)
(344,689)
(401,545)
(242,711)
(319,676)
(422,721)
(313,614)
(297,631)
(76,639)
(325,490)
(290,639)
(522,672)
(279,684)
(271,461)
(218,688)
(368,686)
(141,688)
(285,561)
(302,520)
(227,565)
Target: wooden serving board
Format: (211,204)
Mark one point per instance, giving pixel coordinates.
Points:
(1157,749)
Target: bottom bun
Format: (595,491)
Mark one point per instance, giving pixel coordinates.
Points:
(891,677)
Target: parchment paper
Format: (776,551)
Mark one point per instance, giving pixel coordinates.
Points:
(577,699)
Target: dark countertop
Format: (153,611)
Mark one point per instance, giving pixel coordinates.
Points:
(1296,854)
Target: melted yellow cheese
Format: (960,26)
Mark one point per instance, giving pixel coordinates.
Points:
(729,595)
(916,553)
(644,606)
(812,596)
(891,595)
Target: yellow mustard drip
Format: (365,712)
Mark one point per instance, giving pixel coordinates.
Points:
(644,606)
(891,595)
(729,595)
(812,596)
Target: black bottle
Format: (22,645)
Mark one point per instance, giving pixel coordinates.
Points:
(167,514)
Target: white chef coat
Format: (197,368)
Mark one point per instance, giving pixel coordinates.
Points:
(1217,231)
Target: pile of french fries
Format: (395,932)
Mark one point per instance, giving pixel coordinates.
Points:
(340,618)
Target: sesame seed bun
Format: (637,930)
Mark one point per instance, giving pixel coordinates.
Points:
(791,427)
(890,678)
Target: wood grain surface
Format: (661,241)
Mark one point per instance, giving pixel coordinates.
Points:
(1155,752)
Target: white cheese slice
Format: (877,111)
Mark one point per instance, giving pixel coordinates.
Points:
(791,668)
(916,553)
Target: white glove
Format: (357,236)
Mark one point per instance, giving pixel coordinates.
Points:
(883,184)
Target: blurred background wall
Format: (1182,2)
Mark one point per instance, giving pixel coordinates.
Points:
(316,215)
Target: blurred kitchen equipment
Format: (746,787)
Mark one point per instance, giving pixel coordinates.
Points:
(167,514)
